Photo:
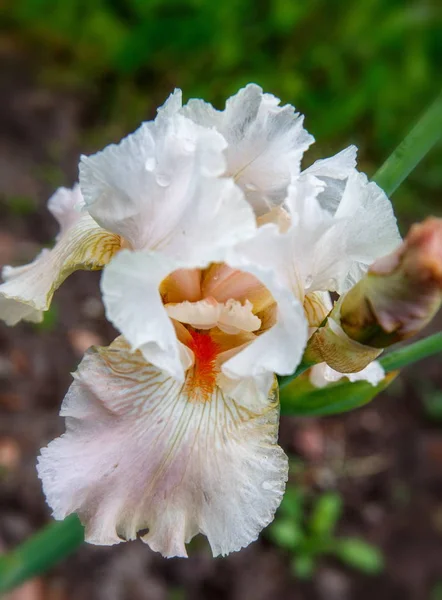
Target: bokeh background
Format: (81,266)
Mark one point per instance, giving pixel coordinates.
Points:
(78,74)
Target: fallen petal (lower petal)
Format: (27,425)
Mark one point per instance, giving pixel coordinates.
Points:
(141,457)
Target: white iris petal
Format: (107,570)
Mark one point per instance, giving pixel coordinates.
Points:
(265,141)
(81,244)
(141,457)
(321,374)
(160,189)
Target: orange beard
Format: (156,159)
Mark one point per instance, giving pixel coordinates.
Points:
(201,378)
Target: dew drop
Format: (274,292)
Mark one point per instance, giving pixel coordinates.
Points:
(308,281)
(162,179)
(250,187)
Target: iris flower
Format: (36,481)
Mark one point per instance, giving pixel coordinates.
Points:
(219,256)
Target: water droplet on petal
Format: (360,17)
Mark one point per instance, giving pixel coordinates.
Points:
(162,179)
(250,187)
(308,281)
(150,163)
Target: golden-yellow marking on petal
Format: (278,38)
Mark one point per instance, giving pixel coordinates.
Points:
(89,251)
(315,309)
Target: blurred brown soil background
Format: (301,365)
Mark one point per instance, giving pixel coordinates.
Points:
(385,459)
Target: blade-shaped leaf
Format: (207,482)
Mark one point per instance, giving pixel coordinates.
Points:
(40,552)
(412,149)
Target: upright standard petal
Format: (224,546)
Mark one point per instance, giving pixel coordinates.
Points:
(332,244)
(316,242)
(333,172)
(265,142)
(372,227)
(215,217)
(309,255)
(144,456)
(160,188)
(81,244)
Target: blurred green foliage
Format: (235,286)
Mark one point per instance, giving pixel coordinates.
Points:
(436,592)
(361,71)
(432,400)
(309,536)
(20,206)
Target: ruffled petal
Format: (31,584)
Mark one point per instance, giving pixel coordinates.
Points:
(203,314)
(66,205)
(331,249)
(231,317)
(338,166)
(160,189)
(333,172)
(143,456)
(279,349)
(265,142)
(316,241)
(372,231)
(236,317)
(81,244)
(321,374)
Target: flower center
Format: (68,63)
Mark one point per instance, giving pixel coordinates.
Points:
(216,312)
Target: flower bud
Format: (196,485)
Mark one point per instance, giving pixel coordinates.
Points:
(400,293)
(398,296)
(332,345)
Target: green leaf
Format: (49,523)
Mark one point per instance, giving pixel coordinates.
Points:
(301,398)
(412,149)
(40,552)
(412,353)
(432,400)
(360,555)
(325,514)
(292,504)
(286,533)
(303,566)
(50,320)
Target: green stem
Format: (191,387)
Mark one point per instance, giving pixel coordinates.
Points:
(412,353)
(40,552)
(411,151)
(284,380)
